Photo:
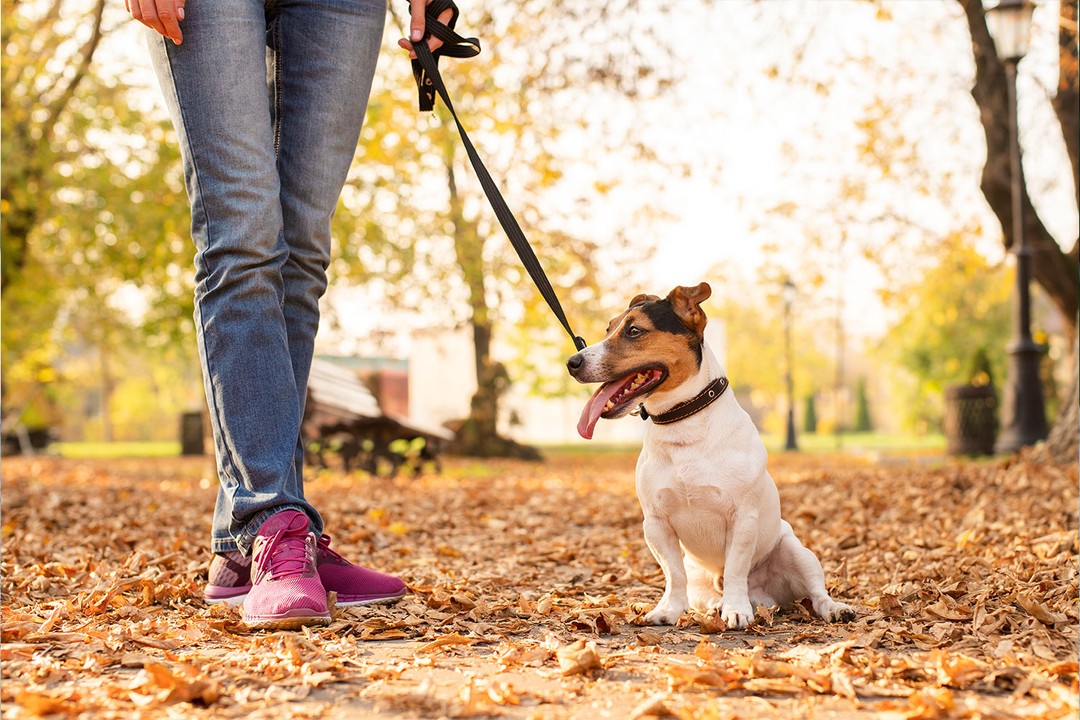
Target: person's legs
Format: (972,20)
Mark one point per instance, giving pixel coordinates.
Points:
(215,86)
(264,173)
(321,58)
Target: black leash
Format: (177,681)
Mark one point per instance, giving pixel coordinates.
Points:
(429,82)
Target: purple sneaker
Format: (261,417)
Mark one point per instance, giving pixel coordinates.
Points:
(355,585)
(230,579)
(286,592)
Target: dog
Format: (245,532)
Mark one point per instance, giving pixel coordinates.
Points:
(712,512)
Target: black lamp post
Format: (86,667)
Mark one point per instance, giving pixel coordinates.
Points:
(1024,414)
(789,300)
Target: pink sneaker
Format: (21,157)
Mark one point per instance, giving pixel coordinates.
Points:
(230,579)
(286,592)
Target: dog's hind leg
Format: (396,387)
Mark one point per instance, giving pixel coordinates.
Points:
(665,547)
(700,585)
(797,568)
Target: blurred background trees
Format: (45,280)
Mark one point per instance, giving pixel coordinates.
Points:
(581,118)
(415,224)
(96,291)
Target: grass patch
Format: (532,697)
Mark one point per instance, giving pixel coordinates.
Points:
(571,450)
(808,443)
(84,450)
(859,442)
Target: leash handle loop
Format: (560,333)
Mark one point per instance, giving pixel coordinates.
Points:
(453,45)
(429,82)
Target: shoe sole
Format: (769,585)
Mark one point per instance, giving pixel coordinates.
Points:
(370,601)
(286,623)
(302,618)
(238,600)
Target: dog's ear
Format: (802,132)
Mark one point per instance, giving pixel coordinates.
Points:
(638,299)
(686,301)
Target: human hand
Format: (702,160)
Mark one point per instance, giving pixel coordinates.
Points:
(163,16)
(417,26)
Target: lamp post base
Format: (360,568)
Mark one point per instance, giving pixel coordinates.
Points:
(791,443)
(1024,414)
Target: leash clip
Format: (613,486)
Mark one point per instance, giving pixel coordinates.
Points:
(641,412)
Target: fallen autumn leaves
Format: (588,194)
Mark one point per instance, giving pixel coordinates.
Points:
(527,584)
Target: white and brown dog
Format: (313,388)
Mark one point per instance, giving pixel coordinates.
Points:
(711,509)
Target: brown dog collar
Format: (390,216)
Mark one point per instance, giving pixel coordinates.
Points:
(694,405)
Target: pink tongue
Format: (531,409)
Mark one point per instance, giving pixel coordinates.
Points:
(594,407)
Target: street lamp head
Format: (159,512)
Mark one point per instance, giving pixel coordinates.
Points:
(789,292)
(1009,22)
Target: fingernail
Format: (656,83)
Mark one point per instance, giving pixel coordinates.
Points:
(417,34)
(180,13)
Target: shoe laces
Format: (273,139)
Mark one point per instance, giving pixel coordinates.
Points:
(287,554)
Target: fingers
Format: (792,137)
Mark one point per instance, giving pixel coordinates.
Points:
(170,13)
(147,14)
(163,16)
(418,26)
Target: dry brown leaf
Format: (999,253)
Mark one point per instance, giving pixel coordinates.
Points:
(579,658)
(446,641)
(41,704)
(949,611)
(646,638)
(1039,611)
(683,675)
(891,606)
(654,707)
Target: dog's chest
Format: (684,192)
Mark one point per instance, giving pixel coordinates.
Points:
(671,485)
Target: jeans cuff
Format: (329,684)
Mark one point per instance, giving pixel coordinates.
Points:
(220,546)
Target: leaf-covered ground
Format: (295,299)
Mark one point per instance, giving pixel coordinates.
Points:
(527,585)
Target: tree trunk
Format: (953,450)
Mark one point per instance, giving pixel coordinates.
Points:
(1064,441)
(108,385)
(1054,270)
(478,435)
(1066,101)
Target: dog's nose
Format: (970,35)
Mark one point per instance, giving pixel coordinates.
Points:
(574,363)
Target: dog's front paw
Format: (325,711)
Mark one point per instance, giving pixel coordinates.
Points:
(836,612)
(663,614)
(736,617)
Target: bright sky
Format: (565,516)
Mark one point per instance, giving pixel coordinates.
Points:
(754,143)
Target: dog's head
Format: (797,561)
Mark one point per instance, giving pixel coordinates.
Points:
(654,343)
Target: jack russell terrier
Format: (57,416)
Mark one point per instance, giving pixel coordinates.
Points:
(711,509)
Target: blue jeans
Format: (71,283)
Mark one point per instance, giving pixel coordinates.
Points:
(267,99)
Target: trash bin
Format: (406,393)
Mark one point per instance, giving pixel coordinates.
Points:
(191,434)
(971,421)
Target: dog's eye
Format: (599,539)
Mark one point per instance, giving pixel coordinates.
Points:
(634,331)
